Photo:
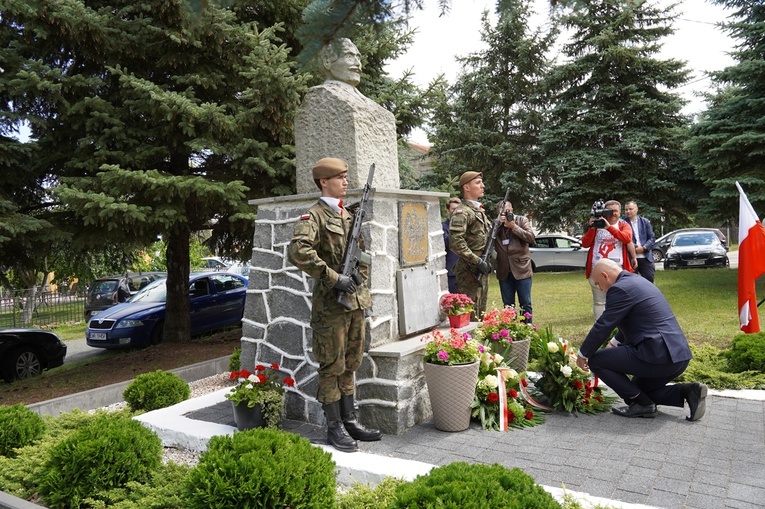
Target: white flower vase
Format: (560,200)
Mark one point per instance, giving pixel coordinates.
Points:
(451,390)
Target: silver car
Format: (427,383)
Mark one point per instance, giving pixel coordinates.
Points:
(558,252)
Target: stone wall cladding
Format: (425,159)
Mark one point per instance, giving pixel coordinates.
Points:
(391,391)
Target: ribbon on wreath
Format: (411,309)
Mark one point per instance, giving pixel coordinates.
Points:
(502,390)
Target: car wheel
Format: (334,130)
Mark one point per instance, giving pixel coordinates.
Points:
(657,255)
(158,333)
(21,363)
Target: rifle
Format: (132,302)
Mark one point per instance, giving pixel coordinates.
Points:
(353,253)
(493,235)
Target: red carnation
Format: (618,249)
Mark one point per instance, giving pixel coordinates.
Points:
(510,416)
(578,384)
(260,367)
(493,397)
(262,378)
(529,414)
(598,399)
(234,375)
(275,366)
(524,382)
(513,393)
(244,374)
(289,382)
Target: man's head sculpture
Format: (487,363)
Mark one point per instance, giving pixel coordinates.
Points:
(341,61)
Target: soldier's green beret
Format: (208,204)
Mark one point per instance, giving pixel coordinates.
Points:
(468,176)
(329,167)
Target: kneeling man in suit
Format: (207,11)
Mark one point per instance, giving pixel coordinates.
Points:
(649,346)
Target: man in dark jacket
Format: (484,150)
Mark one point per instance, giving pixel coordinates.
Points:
(650,346)
(644,239)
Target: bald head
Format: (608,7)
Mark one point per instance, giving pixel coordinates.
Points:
(604,273)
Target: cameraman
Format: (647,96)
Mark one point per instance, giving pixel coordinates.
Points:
(514,259)
(607,237)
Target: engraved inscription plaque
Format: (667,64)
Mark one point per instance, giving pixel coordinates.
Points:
(417,299)
(413,233)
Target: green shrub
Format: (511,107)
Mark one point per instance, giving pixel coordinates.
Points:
(107,452)
(19,475)
(261,469)
(19,426)
(235,361)
(710,366)
(362,496)
(464,486)
(747,353)
(159,389)
(163,491)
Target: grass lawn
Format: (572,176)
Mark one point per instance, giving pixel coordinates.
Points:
(704,300)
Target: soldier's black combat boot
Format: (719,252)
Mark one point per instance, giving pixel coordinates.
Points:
(336,434)
(352,425)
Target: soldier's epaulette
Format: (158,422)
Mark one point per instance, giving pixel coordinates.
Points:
(305,216)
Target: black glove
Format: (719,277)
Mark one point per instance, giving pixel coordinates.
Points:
(345,284)
(483,267)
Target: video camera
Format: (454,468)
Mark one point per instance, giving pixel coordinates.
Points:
(601,213)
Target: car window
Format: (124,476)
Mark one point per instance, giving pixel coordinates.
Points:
(561,242)
(224,283)
(108,286)
(199,288)
(154,292)
(543,242)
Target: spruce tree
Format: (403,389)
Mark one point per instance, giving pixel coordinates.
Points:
(492,118)
(728,142)
(155,122)
(616,131)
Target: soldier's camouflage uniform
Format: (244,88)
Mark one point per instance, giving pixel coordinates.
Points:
(317,248)
(469,229)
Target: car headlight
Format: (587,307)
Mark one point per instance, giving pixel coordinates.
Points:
(124,324)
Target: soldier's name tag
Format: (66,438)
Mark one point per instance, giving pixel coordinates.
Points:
(505,242)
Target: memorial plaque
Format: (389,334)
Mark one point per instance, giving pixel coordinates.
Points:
(417,299)
(413,233)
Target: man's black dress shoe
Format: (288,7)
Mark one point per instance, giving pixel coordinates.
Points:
(696,397)
(635,410)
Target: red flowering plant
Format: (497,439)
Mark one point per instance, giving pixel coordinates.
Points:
(486,403)
(501,327)
(264,387)
(456,348)
(456,304)
(565,385)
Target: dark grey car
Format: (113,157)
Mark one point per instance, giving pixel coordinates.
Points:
(663,243)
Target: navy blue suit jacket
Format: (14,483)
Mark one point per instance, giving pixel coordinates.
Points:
(647,237)
(645,322)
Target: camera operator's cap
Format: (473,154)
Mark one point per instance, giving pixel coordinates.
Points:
(468,176)
(329,167)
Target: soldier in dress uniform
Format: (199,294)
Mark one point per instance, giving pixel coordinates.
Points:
(469,229)
(317,248)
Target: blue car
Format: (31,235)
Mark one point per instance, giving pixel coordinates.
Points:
(216,300)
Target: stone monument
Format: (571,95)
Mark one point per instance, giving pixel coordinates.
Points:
(336,120)
(403,235)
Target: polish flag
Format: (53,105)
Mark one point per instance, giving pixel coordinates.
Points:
(751,262)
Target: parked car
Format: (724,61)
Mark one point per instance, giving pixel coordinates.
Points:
(109,291)
(695,249)
(216,300)
(27,352)
(214,263)
(558,252)
(662,243)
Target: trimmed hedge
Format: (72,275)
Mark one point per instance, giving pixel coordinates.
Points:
(108,451)
(461,485)
(160,389)
(19,427)
(262,469)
